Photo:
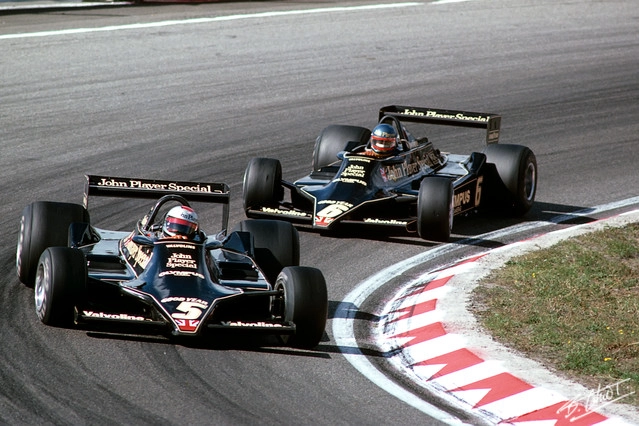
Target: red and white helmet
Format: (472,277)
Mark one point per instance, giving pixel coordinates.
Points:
(180,221)
(384,139)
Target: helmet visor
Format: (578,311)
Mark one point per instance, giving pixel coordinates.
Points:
(177,226)
(383,144)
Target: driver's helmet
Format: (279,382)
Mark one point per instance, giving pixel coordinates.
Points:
(384,139)
(180,221)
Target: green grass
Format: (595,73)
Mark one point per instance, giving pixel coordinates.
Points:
(574,307)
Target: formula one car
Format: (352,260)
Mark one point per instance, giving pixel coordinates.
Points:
(144,281)
(419,188)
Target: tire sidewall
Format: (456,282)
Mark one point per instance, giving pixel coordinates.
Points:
(43,288)
(23,248)
(526,182)
(60,285)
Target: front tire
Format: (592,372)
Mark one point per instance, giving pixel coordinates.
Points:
(304,302)
(435,209)
(517,168)
(262,185)
(43,224)
(59,284)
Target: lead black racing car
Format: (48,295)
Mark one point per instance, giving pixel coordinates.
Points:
(420,188)
(138,282)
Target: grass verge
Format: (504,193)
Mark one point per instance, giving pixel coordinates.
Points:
(573,307)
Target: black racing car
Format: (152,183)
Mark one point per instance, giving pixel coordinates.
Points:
(419,188)
(142,282)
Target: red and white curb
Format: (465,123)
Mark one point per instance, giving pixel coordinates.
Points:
(437,343)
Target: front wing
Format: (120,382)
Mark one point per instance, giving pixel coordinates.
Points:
(394,209)
(122,309)
(398,209)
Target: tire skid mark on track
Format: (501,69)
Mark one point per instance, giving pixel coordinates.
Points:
(413,330)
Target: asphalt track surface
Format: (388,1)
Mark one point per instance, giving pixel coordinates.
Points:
(176,92)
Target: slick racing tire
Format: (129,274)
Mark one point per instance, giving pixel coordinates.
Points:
(435,209)
(262,183)
(276,243)
(334,139)
(304,301)
(43,224)
(517,168)
(60,282)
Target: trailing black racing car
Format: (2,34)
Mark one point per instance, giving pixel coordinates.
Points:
(391,178)
(167,276)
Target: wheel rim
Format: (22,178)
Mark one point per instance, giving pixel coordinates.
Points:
(42,285)
(530,182)
(19,247)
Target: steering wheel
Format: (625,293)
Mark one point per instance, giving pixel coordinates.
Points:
(146,223)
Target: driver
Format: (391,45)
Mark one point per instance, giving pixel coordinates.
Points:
(181,223)
(383,141)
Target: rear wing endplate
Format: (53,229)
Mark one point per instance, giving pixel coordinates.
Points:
(124,187)
(478,120)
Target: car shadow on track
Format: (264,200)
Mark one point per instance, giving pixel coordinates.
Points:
(254,342)
(466,229)
(244,342)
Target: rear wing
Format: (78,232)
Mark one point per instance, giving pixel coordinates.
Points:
(109,186)
(478,120)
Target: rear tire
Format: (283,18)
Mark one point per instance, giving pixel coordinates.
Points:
(44,224)
(517,168)
(60,282)
(435,209)
(276,243)
(262,185)
(335,138)
(304,302)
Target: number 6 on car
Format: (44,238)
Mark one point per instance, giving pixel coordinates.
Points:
(389,177)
